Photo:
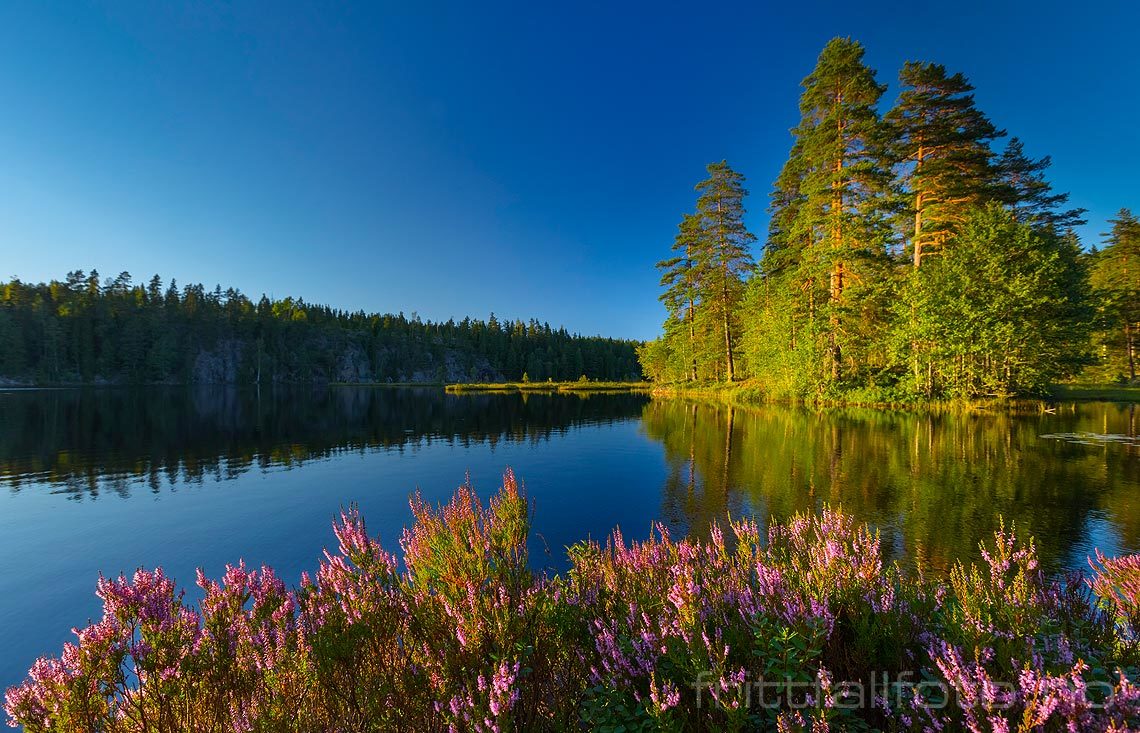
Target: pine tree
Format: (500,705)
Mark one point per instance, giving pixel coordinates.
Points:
(679,278)
(786,269)
(786,239)
(845,184)
(722,256)
(1029,195)
(942,141)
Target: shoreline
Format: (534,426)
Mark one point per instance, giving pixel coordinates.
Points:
(742,394)
(751,394)
(549,387)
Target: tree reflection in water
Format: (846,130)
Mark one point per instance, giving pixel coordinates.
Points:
(934,483)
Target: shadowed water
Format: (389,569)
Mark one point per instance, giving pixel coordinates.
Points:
(109,480)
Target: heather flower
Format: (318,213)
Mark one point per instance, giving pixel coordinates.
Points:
(665,633)
(1116,582)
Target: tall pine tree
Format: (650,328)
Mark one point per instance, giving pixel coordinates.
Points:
(845,183)
(942,140)
(679,278)
(723,258)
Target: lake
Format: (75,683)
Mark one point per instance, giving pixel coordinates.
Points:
(109,480)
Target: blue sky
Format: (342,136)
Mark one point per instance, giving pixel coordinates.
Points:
(530,159)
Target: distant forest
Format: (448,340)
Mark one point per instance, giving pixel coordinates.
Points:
(87,330)
(907,257)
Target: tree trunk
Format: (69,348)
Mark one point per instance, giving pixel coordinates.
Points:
(727,333)
(836,294)
(692,317)
(811,302)
(836,285)
(722,236)
(918,231)
(918,213)
(692,343)
(1130,345)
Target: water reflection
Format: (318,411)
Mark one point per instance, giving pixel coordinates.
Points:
(934,483)
(267,472)
(88,442)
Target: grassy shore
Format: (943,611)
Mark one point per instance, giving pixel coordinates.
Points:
(752,392)
(1097,392)
(578,386)
(386,384)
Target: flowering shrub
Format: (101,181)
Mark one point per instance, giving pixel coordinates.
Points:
(802,627)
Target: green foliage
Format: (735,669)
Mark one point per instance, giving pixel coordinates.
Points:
(906,260)
(704,285)
(1116,277)
(1001,312)
(721,261)
(12,355)
(943,141)
(1029,195)
(656,360)
(84,330)
(783,348)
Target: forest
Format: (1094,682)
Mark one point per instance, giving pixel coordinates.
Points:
(908,257)
(87,330)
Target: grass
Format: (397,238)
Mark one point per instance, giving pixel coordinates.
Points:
(578,386)
(1097,392)
(385,384)
(752,393)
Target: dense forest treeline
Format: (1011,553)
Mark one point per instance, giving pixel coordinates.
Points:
(83,329)
(907,257)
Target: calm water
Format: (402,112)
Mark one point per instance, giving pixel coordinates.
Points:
(110,480)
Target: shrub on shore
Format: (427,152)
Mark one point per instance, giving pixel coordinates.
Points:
(802,627)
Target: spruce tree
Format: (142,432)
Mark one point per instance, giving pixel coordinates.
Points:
(942,141)
(1116,276)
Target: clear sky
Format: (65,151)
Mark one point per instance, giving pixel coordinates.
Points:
(530,159)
